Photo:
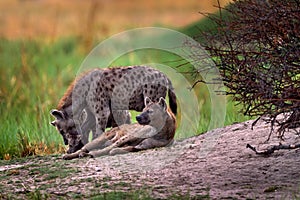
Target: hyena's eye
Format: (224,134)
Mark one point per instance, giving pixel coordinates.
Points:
(149,111)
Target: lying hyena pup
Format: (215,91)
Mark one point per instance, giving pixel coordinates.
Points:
(106,95)
(156,128)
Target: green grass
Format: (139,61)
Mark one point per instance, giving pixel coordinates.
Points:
(141,194)
(33,77)
(35,74)
(116,195)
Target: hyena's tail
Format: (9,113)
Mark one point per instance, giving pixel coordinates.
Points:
(172,100)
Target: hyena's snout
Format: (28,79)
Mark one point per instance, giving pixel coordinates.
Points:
(66,142)
(74,148)
(143,119)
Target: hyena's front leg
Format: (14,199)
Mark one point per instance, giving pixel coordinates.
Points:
(101,115)
(102,142)
(78,154)
(89,124)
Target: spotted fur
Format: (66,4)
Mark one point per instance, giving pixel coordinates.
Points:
(106,95)
(155,128)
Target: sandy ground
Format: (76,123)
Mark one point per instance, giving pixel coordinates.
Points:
(216,164)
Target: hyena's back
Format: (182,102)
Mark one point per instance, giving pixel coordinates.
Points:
(124,88)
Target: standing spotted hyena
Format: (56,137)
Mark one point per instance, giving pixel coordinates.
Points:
(155,128)
(105,96)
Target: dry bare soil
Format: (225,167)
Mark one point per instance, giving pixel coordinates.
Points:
(215,165)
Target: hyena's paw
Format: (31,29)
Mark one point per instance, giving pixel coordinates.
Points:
(91,155)
(67,157)
(83,154)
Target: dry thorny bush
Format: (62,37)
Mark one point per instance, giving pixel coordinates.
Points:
(256,48)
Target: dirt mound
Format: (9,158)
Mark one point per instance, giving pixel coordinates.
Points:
(214,165)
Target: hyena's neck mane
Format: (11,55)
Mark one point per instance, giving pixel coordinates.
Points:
(66,100)
(168,131)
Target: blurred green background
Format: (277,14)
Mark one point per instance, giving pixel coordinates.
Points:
(43,43)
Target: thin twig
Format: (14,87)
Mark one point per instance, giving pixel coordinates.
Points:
(273,148)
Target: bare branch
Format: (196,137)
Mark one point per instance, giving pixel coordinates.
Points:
(257,48)
(271,149)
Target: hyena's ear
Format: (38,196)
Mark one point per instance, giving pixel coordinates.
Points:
(53,123)
(147,100)
(57,114)
(162,102)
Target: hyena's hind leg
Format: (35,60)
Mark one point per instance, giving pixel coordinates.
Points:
(120,117)
(120,141)
(101,152)
(150,143)
(112,150)
(122,150)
